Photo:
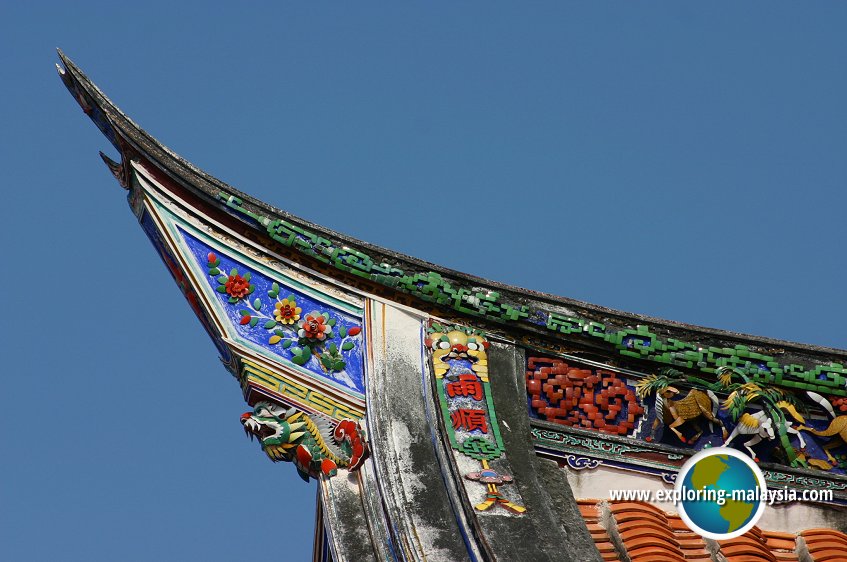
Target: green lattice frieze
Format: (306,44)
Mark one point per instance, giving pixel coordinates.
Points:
(429,286)
(637,343)
(641,343)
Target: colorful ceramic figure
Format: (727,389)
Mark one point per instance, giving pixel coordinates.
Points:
(761,426)
(674,413)
(454,343)
(311,442)
(837,429)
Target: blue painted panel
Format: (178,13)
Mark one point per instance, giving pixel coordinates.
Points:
(338,357)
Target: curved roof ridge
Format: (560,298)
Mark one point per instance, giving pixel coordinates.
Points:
(209,187)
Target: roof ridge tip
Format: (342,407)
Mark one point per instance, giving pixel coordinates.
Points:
(64,65)
(66,60)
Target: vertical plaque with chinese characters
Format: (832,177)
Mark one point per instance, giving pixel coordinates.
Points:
(460,363)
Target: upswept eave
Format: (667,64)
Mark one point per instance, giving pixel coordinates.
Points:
(129,137)
(444,414)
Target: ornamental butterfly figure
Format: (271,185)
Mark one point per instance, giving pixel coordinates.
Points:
(311,442)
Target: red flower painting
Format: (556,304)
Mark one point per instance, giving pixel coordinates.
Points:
(313,327)
(237,286)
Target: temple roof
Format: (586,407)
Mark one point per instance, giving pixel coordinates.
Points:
(357,357)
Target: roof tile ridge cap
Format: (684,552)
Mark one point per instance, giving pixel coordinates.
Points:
(714,550)
(607,520)
(801,549)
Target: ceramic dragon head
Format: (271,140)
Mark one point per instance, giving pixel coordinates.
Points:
(267,422)
(317,445)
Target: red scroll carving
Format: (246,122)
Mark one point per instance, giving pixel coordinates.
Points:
(581,397)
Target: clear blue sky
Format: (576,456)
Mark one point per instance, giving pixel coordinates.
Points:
(680,160)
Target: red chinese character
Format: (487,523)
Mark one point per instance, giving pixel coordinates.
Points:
(469,420)
(467,385)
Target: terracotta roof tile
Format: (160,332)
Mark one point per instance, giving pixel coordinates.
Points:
(590,511)
(825,545)
(645,533)
(752,545)
(782,545)
(691,544)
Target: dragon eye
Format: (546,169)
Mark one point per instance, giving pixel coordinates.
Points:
(444,345)
(472,346)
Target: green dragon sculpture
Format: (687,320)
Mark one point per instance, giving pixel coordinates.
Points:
(311,442)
